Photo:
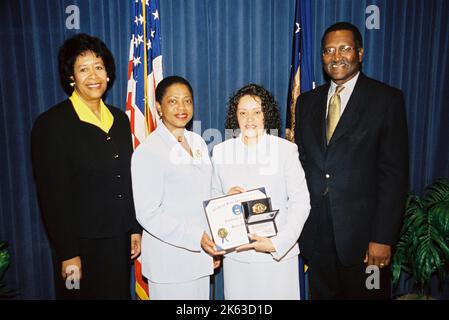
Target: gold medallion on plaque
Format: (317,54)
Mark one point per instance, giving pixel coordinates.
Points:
(258,208)
(223,233)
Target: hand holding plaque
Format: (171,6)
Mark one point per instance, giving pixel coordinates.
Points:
(226,219)
(231,218)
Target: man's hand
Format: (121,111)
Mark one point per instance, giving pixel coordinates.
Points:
(209,246)
(71,267)
(378,254)
(260,244)
(136,240)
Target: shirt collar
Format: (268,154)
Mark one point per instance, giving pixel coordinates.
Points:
(261,141)
(85,114)
(349,85)
(167,133)
(181,156)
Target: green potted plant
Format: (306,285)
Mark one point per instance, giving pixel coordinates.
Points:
(4,264)
(423,248)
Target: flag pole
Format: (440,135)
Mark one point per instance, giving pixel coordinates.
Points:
(145,68)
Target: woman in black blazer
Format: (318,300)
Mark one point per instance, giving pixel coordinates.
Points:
(81,153)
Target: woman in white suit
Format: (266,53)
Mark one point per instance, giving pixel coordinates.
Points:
(171,177)
(267,268)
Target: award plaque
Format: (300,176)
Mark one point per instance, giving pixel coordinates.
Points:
(226,219)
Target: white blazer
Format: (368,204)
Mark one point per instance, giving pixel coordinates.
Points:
(169,187)
(274,164)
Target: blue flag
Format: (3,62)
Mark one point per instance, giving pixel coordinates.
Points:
(301,80)
(301,70)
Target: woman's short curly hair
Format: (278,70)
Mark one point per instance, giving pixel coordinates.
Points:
(271,115)
(77,45)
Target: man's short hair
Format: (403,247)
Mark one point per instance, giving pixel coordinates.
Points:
(345,26)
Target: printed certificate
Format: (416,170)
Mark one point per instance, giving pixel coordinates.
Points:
(226,219)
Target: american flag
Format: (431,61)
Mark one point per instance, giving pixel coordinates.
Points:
(144,73)
(144,68)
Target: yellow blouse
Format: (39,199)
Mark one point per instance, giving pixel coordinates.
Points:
(85,114)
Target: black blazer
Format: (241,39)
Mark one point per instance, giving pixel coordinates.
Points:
(83,177)
(363,170)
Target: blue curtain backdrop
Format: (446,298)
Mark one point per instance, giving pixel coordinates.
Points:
(218,46)
(222,45)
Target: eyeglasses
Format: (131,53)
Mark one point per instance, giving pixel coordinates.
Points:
(330,51)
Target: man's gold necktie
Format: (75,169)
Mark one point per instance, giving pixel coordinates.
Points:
(333,114)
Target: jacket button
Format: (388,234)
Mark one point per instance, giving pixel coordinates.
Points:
(108,138)
(118,176)
(115,156)
(119,196)
(327,176)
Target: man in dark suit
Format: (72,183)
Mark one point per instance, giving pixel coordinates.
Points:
(353,145)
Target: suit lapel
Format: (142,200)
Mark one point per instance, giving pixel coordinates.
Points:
(352,111)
